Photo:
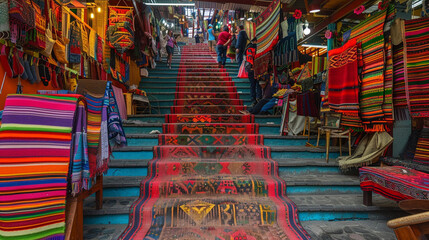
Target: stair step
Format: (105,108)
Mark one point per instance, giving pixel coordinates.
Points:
(103,231)
(160,118)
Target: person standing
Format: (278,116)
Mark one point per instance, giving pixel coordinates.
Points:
(197,38)
(255,88)
(224,40)
(212,38)
(240,46)
(170,47)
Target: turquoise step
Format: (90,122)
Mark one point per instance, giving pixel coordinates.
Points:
(263,129)
(156,118)
(172,84)
(169,96)
(168,103)
(288,152)
(267,141)
(173,89)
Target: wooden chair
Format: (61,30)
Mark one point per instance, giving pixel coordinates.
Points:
(413,227)
(331,129)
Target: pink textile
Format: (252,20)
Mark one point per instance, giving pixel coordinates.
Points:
(119,95)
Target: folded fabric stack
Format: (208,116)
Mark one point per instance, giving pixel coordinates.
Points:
(42,149)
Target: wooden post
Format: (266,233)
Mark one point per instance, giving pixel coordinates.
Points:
(328,139)
(367,198)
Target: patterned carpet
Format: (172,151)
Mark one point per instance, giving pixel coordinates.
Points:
(211,176)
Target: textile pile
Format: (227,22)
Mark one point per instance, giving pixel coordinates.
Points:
(211,176)
(42,148)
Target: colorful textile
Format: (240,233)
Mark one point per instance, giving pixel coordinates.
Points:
(344,83)
(308,104)
(417,63)
(207,109)
(75,45)
(211,178)
(396,183)
(262,65)
(267,28)
(399,95)
(370,34)
(120,29)
(421,155)
(319,64)
(104,122)
(42,150)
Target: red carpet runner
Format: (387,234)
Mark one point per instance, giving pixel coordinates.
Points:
(211,176)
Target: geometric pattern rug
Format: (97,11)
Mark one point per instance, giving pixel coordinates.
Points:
(211,176)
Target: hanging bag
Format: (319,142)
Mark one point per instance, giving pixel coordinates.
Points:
(242,73)
(49,39)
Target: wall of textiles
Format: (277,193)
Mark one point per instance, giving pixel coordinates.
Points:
(45,45)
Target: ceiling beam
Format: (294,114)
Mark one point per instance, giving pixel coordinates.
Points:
(247,2)
(342,12)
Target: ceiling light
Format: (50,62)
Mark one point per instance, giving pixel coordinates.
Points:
(306,30)
(241,19)
(249,19)
(314,46)
(314,6)
(99,9)
(91,15)
(170,4)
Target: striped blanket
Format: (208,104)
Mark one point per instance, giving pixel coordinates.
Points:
(267,28)
(417,63)
(421,155)
(370,34)
(42,147)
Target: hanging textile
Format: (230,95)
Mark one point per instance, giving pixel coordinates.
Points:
(120,30)
(75,45)
(42,141)
(344,83)
(370,33)
(267,28)
(421,155)
(319,64)
(417,63)
(388,70)
(105,122)
(261,65)
(92,43)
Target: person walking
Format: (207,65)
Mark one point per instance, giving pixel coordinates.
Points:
(212,38)
(255,88)
(170,47)
(197,38)
(240,45)
(224,40)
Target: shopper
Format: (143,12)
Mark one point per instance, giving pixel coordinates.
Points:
(170,47)
(212,38)
(197,38)
(224,40)
(240,46)
(255,88)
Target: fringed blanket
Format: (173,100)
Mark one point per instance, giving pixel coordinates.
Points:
(267,28)
(417,63)
(396,183)
(369,149)
(104,122)
(344,83)
(370,34)
(42,145)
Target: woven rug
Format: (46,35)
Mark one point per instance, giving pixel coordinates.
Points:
(421,155)
(214,109)
(417,62)
(212,178)
(370,34)
(41,150)
(396,183)
(267,28)
(212,101)
(344,95)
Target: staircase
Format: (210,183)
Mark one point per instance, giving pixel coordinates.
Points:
(329,202)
